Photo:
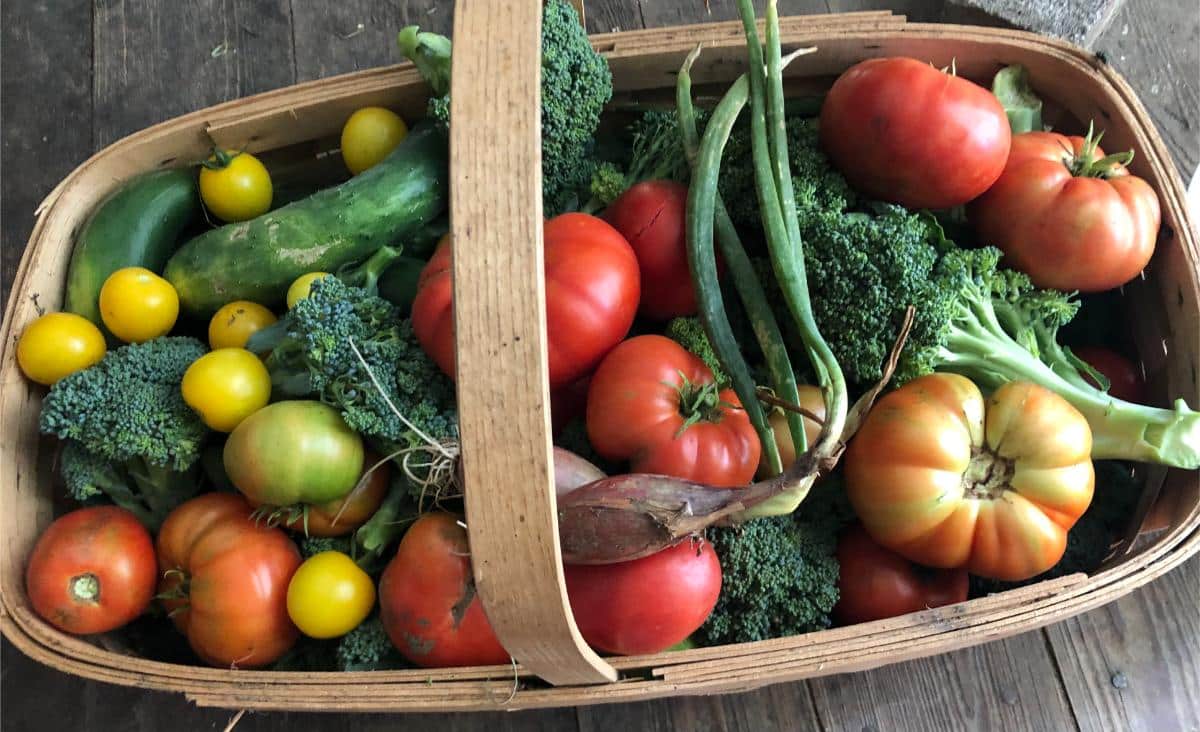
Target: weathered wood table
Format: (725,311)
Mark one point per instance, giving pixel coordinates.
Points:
(78,75)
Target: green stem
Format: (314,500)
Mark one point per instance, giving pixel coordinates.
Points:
(745,280)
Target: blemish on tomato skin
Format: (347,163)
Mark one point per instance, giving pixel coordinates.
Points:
(417,645)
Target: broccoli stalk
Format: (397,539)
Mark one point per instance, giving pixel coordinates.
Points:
(128,434)
(576,84)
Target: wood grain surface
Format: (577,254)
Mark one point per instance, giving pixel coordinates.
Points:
(77,75)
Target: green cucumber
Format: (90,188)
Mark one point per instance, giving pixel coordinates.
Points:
(138,226)
(257,259)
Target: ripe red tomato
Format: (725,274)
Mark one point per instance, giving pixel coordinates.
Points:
(901,130)
(652,216)
(1124,378)
(656,405)
(1067,222)
(91,571)
(227,577)
(592,290)
(646,605)
(427,598)
(568,402)
(875,583)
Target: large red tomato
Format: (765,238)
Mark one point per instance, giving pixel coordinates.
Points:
(1065,217)
(656,405)
(945,480)
(901,130)
(1124,379)
(592,291)
(875,583)
(227,578)
(91,571)
(427,598)
(646,605)
(652,216)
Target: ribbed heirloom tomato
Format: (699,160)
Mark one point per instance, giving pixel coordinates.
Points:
(901,130)
(226,579)
(947,480)
(656,405)
(1067,216)
(592,291)
(427,599)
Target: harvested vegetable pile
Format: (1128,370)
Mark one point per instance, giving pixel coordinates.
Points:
(799,350)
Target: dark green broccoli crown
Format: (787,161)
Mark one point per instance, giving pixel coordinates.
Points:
(576,84)
(689,333)
(311,546)
(367,648)
(779,579)
(130,405)
(87,476)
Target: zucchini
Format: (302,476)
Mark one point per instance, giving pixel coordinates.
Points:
(138,226)
(257,259)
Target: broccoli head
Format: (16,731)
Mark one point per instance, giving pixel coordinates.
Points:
(128,435)
(310,546)
(576,84)
(368,648)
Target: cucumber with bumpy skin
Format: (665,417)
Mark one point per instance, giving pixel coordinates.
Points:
(257,259)
(137,226)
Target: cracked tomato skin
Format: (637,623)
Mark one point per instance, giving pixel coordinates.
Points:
(233,609)
(592,292)
(427,599)
(946,480)
(1066,231)
(652,216)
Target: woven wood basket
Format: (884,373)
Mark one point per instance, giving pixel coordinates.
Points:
(502,364)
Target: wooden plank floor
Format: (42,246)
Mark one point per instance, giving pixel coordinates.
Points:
(78,74)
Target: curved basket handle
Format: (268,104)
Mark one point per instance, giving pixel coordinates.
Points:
(500,321)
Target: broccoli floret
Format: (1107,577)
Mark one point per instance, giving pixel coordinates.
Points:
(689,333)
(608,183)
(655,153)
(368,648)
(576,84)
(311,353)
(128,433)
(310,546)
(1092,537)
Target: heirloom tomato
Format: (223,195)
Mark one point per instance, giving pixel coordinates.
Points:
(652,216)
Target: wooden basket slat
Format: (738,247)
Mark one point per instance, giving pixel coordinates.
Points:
(1168,300)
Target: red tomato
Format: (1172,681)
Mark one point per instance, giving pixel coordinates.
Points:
(1124,378)
(1068,223)
(427,598)
(652,216)
(901,130)
(228,577)
(646,605)
(91,571)
(592,290)
(639,406)
(568,402)
(875,583)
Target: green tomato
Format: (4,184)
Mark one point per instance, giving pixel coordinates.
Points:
(294,452)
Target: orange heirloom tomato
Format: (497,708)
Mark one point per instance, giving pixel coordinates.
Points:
(1067,218)
(944,479)
(227,579)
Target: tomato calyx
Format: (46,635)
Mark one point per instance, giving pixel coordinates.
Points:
(220,159)
(84,588)
(274,516)
(1087,165)
(698,402)
(988,475)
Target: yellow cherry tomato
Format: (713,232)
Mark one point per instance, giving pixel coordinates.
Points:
(329,595)
(369,135)
(235,186)
(138,305)
(225,386)
(57,345)
(301,287)
(233,324)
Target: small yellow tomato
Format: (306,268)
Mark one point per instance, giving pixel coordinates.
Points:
(301,287)
(329,595)
(57,345)
(812,400)
(225,386)
(369,135)
(138,305)
(235,186)
(233,324)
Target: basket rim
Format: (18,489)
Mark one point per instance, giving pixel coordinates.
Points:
(29,634)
